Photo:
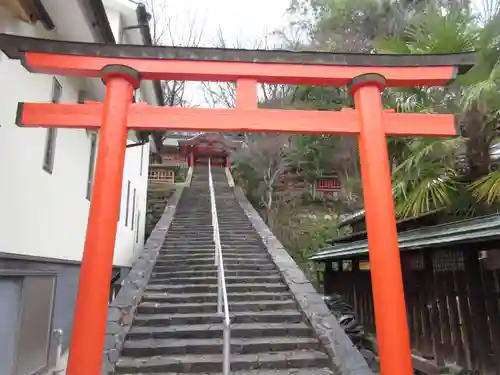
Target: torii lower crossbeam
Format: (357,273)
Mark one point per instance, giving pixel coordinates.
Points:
(148,118)
(122,68)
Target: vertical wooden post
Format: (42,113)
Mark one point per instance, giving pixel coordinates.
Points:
(246,94)
(191,159)
(89,327)
(387,282)
(328,277)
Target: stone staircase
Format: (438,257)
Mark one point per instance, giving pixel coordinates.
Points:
(176,329)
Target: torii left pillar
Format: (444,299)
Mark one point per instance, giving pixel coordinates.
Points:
(88,335)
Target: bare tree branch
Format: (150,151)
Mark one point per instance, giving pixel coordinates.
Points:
(165,30)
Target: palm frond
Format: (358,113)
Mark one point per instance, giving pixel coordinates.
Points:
(440,151)
(421,195)
(487,188)
(392,45)
(484,93)
(442,33)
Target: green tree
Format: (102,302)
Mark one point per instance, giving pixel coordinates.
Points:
(432,172)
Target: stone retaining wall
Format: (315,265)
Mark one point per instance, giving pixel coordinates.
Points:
(157,199)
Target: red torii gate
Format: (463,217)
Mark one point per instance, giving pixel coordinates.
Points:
(122,67)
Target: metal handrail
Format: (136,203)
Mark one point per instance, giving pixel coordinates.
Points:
(222,302)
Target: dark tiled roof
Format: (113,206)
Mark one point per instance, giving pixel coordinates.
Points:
(479,229)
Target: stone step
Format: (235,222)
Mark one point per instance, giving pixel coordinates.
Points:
(211,307)
(206,219)
(239,236)
(283,316)
(170,253)
(190,224)
(196,236)
(213,362)
(174,238)
(224,212)
(168,267)
(213,280)
(213,273)
(207,231)
(207,260)
(195,233)
(242,246)
(187,240)
(208,331)
(235,224)
(256,244)
(227,227)
(212,297)
(243,229)
(235,246)
(176,258)
(201,255)
(178,247)
(231,288)
(290,371)
(177,243)
(152,347)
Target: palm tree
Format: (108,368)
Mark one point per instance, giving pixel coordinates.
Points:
(432,173)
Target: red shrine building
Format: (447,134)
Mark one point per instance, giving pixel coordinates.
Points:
(181,150)
(327,186)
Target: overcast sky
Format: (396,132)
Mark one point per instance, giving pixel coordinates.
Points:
(237,19)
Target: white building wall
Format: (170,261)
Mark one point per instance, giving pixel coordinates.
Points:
(114,19)
(42,214)
(131,238)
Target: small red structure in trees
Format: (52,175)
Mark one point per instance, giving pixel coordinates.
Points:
(327,185)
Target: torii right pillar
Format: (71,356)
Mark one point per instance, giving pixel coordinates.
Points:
(387,280)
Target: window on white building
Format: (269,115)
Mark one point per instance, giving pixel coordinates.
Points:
(133,210)
(81,97)
(92,157)
(138,226)
(50,140)
(120,206)
(142,158)
(127,207)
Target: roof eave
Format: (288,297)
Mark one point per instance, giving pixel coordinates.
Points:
(479,229)
(94,11)
(42,15)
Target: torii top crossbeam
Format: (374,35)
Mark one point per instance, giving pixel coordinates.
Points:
(121,68)
(217,64)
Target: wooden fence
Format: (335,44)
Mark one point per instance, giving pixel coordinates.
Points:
(162,175)
(452,299)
